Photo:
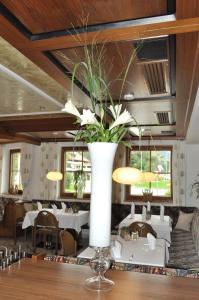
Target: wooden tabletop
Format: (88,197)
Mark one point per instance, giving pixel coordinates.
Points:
(56,281)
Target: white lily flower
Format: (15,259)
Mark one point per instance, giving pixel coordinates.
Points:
(71,109)
(115,110)
(88,117)
(136,130)
(124,118)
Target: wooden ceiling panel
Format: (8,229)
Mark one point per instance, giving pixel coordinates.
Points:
(61,123)
(51,15)
(187,67)
(115,61)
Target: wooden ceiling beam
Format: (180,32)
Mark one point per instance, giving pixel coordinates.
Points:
(143,29)
(27,139)
(187,67)
(34,125)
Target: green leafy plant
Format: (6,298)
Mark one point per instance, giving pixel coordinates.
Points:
(79,182)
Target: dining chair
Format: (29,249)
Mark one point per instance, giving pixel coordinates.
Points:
(142,228)
(68,243)
(19,217)
(45,225)
(8,222)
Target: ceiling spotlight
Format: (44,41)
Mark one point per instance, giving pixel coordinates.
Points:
(129,96)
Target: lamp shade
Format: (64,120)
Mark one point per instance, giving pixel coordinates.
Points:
(54,175)
(127,175)
(149,177)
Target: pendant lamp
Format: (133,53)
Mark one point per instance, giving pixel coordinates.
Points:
(127,175)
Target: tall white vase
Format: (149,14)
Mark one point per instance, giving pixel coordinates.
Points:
(102,157)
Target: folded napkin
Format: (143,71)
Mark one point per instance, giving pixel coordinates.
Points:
(63,205)
(151,241)
(148,206)
(143,213)
(39,205)
(161,212)
(54,209)
(117,249)
(132,209)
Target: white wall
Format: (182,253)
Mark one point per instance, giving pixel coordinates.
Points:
(192,169)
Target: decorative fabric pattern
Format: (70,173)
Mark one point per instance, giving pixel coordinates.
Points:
(178,164)
(49,159)
(27,162)
(130,267)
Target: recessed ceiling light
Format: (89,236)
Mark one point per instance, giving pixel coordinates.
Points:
(129,96)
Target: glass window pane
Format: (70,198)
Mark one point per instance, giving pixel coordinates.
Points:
(138,188)
(73,160)
(15,175)
(160,161)
(86,162)
(160,164)
(140,160)
(69,182)
(162,187)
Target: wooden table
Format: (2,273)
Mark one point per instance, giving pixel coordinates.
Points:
(45,280)
(65,220)
(162,228)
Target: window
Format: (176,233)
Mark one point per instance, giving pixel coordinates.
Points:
(15,185)
(152,159)
(71,162)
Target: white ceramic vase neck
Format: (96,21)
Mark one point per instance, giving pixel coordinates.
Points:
(102,158)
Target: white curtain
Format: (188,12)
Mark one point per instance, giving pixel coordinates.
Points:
(27,164)
(48,162)
(179,173)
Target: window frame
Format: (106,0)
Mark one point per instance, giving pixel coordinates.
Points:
(20,192)
(140,198)
(62,193)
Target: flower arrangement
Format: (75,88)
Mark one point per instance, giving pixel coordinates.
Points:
(94,124)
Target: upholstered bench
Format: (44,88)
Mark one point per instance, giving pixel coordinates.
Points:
(184,249)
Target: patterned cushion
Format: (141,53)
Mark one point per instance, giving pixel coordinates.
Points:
(182,252)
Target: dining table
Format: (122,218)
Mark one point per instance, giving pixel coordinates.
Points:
(163,228)
(65,219)
(136,252)
(42,280)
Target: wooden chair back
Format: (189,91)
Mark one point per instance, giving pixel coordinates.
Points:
(68,243)
(142,228)
(9,214)
(20,212)
(46,219)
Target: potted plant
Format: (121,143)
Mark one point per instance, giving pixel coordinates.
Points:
(80,183)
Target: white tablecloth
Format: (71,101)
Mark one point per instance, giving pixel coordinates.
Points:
(66,220)
(162,228)
(137,252)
